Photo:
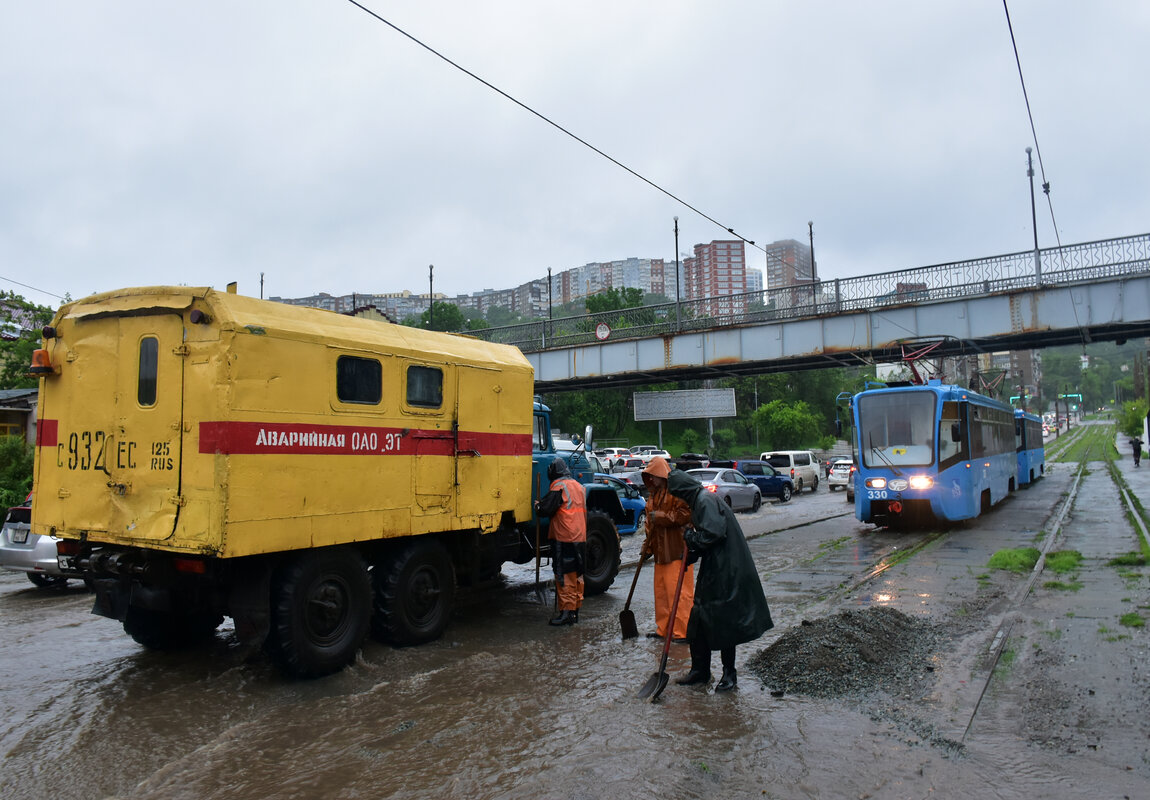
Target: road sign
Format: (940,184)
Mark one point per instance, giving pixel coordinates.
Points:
(685,404)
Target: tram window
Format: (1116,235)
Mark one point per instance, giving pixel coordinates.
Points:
(149,366)
(358,380)
(424,387)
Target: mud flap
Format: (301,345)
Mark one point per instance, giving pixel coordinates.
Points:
(112,598)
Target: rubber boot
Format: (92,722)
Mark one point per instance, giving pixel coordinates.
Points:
(728,681)
(565,618)
(695,676)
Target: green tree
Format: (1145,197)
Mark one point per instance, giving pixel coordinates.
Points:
(788,426)
(21,323)
(614,299)
(1132,416)
(690,440)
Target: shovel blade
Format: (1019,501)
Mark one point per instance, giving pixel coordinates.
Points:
(627,623)
(654,686)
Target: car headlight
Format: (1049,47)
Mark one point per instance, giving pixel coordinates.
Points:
(921,482)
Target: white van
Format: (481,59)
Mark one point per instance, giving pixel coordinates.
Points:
(802,465)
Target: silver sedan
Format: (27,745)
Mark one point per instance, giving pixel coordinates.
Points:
(732,486)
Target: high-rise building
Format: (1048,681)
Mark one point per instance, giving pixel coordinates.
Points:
(717,273)
(788,264)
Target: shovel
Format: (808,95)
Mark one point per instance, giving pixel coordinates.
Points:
(627,616)
(658,682)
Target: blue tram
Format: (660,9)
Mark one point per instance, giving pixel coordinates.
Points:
(931,452)
(1029,446)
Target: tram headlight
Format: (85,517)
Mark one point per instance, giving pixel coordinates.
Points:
(921,482)
(876,483)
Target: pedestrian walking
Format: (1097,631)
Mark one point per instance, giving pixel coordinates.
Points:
(566,504)
(730,607)
(667,516)
(1137,443)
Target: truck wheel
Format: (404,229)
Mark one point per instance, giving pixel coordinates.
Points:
(414,592)
(603,554)
(47,581)
(321,603)
(170,630)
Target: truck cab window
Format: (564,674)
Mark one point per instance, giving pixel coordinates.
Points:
(149,360)
(358,380)
(424,387)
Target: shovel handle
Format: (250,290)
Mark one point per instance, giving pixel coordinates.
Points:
(674,609)
(634,581)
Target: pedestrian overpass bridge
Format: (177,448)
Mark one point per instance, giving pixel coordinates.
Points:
(1079,293)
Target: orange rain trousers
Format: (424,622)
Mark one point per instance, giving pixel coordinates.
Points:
(571,592)
(666,576)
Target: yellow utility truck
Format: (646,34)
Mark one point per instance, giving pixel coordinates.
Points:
(313,476)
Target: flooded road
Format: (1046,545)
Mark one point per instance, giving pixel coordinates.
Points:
(504,706)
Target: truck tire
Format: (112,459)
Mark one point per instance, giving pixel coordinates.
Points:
(321,609)
(170,630)
(603,554)
(413,593)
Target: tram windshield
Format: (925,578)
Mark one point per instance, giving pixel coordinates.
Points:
(897,429)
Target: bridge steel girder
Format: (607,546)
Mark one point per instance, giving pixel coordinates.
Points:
(1098,310)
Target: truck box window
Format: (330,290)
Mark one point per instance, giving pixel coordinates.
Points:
(149,358)
(358,380)
(424,387)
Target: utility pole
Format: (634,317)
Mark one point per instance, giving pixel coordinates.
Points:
(1034,220)
(431,297)
(678,321)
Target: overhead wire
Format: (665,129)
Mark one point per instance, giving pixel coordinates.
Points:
(1033,130)
(560,128)
(33,288)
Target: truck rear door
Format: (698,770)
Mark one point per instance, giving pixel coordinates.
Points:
(117,407)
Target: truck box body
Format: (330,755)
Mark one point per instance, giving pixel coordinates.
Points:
(201,422)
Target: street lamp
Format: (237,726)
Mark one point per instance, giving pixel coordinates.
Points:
(814,270)
(1033,218)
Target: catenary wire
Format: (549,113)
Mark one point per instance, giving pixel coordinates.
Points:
(33,288)
(560,128)
(1033,131)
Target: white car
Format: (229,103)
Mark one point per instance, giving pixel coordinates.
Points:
(611,455)
(650,454)
(842,473)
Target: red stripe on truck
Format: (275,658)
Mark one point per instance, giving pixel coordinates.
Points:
(256,438)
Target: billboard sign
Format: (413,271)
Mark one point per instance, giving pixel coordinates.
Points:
(685,404)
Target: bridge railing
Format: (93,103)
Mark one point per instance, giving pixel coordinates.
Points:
(1056,266)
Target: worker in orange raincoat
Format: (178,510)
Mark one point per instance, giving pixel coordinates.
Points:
(566,505)
(666,516)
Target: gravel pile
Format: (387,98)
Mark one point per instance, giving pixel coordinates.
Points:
(849,653)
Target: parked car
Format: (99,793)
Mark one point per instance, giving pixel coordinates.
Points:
(629,464)
(770,481)
(731,485)
(24,551)
(650,454)
(632,479)
(634,505)
(693,461)
(842,474)
(640,449)
(801,465)
(610,455)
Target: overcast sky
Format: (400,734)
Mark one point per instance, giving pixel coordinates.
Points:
(146,142)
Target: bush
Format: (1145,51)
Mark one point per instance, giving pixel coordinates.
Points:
(17,458)
(1131,418)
